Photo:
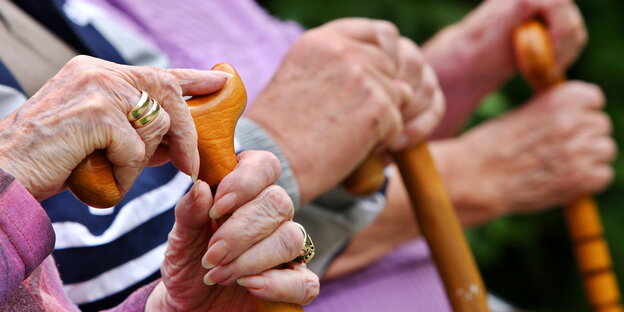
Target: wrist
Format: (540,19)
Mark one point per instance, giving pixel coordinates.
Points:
(157,300)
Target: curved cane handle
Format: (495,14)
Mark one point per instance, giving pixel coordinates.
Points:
(215,116)
(535,58)
(93,182)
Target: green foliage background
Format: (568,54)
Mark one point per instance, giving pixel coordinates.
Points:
(525,259)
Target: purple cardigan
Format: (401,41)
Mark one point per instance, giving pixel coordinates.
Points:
(29,280)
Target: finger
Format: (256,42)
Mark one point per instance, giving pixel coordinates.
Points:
(282,246)
(373,58)
(602,150)
(153,133)
(295,284)
(248,225)
(126,151)
(596,123)
(599,178)
(566,25)
(254,172)
(585,95)
(376,32)
(424,94)
(160,157)
(191,212)
(163,86)
(419,128)
(411,62)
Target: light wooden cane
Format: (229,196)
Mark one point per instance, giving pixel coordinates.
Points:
(215,116)
(535,58)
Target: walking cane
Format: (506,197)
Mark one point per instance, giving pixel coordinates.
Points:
(437,220)
(535,60)
(215,116)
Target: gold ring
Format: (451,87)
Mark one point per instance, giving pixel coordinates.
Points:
(139,110)
(307,251)
(144,112)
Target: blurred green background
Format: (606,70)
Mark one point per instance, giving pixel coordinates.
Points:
(526,260)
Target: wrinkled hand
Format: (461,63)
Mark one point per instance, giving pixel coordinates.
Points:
(490,27)
(84,107)
(257,237)
(554,149)
(339,93)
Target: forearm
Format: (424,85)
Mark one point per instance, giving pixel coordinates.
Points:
(467,66)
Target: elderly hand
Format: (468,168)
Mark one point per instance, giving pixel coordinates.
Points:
(85,106)
(341,91)
(475,56)
(554,149)
(245,249)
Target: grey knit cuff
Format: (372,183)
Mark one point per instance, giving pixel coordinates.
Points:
(249,136)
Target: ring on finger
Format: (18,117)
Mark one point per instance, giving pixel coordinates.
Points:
(146,111)
(307,251)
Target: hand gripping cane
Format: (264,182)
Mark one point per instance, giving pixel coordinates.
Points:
(535,60)
(215,116)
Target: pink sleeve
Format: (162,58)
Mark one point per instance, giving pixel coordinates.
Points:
(26,235)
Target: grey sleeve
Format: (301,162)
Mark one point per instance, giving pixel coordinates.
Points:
(330,219)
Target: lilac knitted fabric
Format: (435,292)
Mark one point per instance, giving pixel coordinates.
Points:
(404,280)
(199,34)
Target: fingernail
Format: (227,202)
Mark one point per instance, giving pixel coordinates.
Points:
(222,73)
(207,280)
(195,170)
(255,282)
(222,205)
(215,254)
(195,190)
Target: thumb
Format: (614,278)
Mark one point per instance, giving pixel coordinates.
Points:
(192,211)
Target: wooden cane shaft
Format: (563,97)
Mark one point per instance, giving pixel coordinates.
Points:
(592,255)
(440,226)
(535,60)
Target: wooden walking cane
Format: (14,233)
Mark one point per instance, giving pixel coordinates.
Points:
(535,60)
(215,116)
(437,220)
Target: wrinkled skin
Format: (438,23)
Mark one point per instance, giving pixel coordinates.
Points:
(341,91)
(248,251)
(84,107)
(480,46)
(471,59)
(553,149)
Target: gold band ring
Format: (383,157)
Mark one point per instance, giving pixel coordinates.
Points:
(146,110)
(307,251)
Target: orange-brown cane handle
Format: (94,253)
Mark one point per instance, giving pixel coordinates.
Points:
(535,58)
(367,178)
(215,116)
(440,226)
(93,182)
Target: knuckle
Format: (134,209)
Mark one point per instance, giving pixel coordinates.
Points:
(278,200)
(291,240)
(387,28)
(78,61)
(311,287)
(564,124)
